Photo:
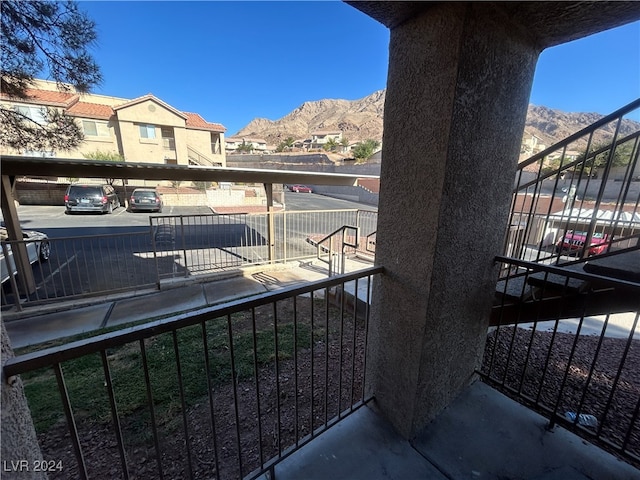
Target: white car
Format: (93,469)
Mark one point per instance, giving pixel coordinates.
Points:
(38,249)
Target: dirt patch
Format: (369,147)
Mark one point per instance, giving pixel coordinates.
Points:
(254,418)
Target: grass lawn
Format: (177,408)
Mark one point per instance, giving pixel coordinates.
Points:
(86,381)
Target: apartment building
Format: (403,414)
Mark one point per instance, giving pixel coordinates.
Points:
(258,145)
(144,129)
(320,138)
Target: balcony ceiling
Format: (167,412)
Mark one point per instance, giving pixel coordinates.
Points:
(547,23)
(38,167)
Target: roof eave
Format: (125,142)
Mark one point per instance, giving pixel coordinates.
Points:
(20,165)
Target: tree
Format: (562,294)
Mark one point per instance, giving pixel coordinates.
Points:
(331,144)
(106,157)
(344,143)
(620,158)
(42,36)
(245,147)
(285,145)
(363,151)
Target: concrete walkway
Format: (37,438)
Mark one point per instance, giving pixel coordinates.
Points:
(55,321)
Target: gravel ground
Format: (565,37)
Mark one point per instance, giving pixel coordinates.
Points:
(565,373)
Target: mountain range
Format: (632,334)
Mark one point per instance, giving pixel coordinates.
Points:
(362,119)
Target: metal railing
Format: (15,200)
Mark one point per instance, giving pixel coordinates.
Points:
(567,344)
(207,243)
(175,247)
(84,266)
(333,248)
(200,159)
(223,392)
(579,186)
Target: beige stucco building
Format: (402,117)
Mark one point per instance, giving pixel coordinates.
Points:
(144,129)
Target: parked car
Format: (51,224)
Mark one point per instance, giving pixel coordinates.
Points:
(91,198)
(301,189)
(38,249)
(145,199)
(572,242)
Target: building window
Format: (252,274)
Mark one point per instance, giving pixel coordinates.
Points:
(35,114)
(95,129)
(147,131)
(168,140)
(215,143)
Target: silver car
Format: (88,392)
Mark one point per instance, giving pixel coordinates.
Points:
(38,249)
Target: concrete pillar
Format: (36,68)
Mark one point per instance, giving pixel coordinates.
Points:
(20,450)
(457,95)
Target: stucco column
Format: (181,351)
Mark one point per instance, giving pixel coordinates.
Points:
(456,103)
(20,451)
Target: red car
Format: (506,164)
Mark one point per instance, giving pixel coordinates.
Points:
(572,242)
(301,189)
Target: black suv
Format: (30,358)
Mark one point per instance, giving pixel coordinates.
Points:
(91,198)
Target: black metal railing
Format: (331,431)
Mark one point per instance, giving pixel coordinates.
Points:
(172,248)
(579,197)
(81,266)
(223,392)
(334,247)
(567,344)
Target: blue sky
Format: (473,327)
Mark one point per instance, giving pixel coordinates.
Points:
(234,61)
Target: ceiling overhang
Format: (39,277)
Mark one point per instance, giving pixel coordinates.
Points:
(39,167)
(547,23)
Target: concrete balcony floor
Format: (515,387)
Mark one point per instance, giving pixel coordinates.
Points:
(481,435)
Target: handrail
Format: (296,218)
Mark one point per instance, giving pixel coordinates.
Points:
(344,243)
(200,156)
(539,222)
(572,164)
(581,133)
(366,247)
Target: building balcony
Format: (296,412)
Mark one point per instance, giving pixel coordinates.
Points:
(277,385)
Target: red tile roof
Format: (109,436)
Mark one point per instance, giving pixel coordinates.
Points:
(90,110)
(46,97)
(196,121)
(76,108)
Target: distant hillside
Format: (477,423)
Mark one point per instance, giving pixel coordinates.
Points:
(362,119)
(357,119)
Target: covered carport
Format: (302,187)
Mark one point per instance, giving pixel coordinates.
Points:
(16,166)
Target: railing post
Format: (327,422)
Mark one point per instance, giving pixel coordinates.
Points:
(603,185)
(268,187)
(12,277)
(155,251)
(184,247)
(284,235)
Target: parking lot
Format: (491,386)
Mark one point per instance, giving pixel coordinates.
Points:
(121,251)
(94,254)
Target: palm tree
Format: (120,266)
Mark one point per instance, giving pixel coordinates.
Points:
(331,145)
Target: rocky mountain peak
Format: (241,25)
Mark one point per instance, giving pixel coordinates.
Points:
(362,119)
